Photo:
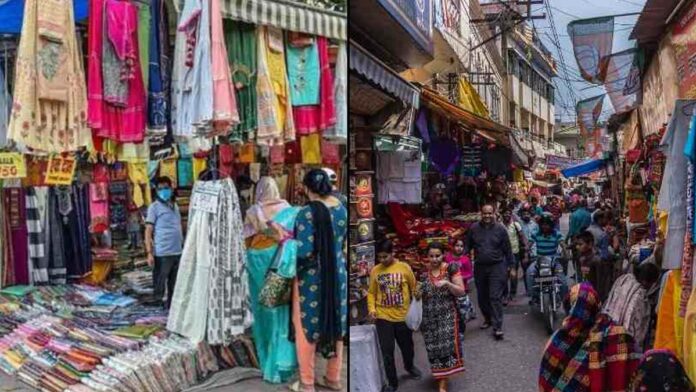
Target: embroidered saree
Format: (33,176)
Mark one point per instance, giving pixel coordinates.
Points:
(48,111)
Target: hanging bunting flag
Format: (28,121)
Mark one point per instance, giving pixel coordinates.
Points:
(623,79)
(592,43)
(588,112)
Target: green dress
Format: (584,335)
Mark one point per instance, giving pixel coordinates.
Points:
(277,355)
(240,39)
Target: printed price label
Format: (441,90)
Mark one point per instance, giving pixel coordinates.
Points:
(60,170)
(12,165)
(205,197)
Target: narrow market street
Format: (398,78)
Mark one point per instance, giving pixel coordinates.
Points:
(508,365)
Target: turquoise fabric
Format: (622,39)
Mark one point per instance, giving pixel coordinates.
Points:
(308,272)
(277,355)
(184,172)
(303,74)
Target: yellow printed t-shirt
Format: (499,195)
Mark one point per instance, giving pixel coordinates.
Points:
(390,291)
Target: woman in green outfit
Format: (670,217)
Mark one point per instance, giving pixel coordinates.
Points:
(264,221)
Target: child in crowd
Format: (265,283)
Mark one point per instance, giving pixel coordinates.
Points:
(466,307)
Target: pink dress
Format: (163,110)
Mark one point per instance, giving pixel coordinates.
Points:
(316,118)
(224,103)
(123,124)
(465,267)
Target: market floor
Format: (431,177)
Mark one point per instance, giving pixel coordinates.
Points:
(11,384)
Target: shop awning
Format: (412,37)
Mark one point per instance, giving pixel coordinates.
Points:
(470,120)
(12,14)
(371,68)
(287,15)
(584,168)
(519,155)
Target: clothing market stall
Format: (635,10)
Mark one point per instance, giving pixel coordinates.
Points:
(213,94)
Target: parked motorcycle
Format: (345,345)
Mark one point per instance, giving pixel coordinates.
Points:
(548,286)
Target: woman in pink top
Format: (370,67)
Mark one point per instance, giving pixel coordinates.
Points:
(457,256)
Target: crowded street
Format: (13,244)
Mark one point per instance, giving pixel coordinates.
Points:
(519,354)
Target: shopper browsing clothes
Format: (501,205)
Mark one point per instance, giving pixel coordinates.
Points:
(267,230)
(392,287)
(491,245)
(320,298)
(163,239)
(442,330)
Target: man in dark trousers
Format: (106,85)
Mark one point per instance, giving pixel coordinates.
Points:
(490,243)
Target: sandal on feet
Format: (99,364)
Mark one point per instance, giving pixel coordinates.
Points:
(297,386)
(442,386)
(485,325)
(331,385)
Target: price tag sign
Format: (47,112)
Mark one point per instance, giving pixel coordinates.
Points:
(205,197)
(61,170)
(12,165)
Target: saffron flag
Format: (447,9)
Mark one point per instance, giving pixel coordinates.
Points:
(592,42)
(588,112)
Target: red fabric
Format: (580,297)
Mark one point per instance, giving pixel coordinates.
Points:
(330,154)
(293,154)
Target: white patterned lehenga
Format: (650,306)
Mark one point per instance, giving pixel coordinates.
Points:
(211,296)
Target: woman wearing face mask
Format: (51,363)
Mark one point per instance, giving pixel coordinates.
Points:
(268,232)
(163,239)
(441,325)
(320,301)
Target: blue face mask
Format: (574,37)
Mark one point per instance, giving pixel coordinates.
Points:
(164,194)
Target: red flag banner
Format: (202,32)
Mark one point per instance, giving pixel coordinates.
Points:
(592,43)
(593,147)
(623,79)
(588,112)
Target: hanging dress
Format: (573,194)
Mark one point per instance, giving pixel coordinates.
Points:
(339,132)
(211,296)
(274,107)
(157,71)
(48,111)
(192,80)
(225,113)
(240,39)
(316,118)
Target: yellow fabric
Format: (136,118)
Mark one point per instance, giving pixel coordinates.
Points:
(678,321)
(390,290)
(246,154)
(662,223)
(311,149)
(670,328)
(518,175)
(199,164)
(690,337)
(470,100)
(100,271)
(131,152)
(137,172)
(168,169)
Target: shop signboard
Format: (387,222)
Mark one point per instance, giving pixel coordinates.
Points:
(415,16)
(61,170)
(559,162)
(685,50)
(12,165)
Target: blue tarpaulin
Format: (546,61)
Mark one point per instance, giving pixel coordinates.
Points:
(584,168)
(12,14)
